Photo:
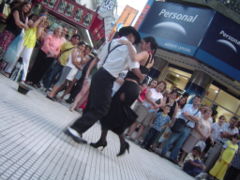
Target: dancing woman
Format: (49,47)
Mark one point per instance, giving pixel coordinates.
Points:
(121,115)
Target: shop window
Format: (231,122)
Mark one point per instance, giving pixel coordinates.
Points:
(177,80)
(170,86)
(212,92)
(238,113)
(226,113)
(207,102)
(227,101)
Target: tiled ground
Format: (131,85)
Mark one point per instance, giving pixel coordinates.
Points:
(33,145)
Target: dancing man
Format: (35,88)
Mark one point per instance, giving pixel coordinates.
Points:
(113,59)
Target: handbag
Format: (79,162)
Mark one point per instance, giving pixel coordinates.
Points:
(180,124)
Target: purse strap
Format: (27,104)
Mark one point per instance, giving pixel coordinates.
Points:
(193,115)
(64,51)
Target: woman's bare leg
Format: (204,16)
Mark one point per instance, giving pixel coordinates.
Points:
(132,128)
(80,96)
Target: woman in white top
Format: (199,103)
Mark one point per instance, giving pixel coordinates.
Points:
(75,62)
(153,101)
(202,131)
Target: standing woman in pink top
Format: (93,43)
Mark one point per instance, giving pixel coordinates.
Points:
(49,51)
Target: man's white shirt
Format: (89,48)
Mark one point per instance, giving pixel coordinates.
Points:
(118,60)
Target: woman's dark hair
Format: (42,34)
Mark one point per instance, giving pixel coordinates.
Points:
(175,92)
(153,46)
(20,7)
(81,43)
(235,136)
(152,41)
(182,105)
(89,47)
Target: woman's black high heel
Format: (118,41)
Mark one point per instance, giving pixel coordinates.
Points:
(98,144)
(124,146)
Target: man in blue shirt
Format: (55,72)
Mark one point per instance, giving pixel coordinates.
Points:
(190,114)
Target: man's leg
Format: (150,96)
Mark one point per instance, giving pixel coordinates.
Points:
(182,138)
(47,82)
(99,101)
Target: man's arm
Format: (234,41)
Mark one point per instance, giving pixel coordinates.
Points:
(139,74)
(189,116)
(132,52)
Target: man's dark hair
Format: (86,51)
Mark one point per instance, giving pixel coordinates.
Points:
(235,118)
(81,43)
(76,35)
(197,96)
(89,47)
(198,149)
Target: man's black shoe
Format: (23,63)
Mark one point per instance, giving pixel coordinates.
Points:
(69,100)
(76,138)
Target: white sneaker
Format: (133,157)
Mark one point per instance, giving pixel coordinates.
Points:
(73,132)
(75,135)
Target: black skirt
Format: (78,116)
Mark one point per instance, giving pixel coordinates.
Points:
(120,115)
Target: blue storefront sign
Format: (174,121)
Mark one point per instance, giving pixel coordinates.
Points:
(220,48)
(175,26)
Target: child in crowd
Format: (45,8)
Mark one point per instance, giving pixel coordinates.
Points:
(157,128)
(219,169)
(192,163)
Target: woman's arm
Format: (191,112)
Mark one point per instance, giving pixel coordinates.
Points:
(74,58)
(175,111)
(91,66)
(199,130)
(37,22)
(132,52)
(162,103)
(17,20)
(209,131)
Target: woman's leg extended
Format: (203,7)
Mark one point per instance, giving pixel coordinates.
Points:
(26,56)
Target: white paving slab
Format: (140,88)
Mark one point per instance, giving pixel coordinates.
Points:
(33,145)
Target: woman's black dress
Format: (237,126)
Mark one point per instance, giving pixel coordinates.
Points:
(120,115)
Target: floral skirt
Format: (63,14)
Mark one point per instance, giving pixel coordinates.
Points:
(6,37)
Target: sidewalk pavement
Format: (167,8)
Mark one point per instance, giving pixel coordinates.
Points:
(33,145)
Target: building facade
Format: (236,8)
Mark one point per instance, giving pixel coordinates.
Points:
(199,52)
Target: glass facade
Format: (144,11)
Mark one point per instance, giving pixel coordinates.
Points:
(225,103)
(177,78)
(228,101)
